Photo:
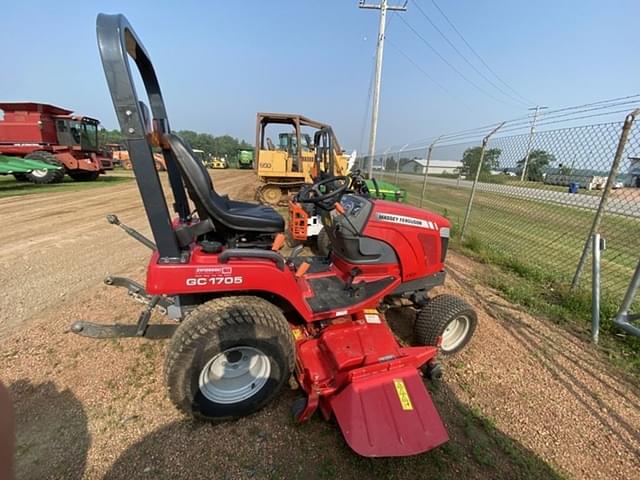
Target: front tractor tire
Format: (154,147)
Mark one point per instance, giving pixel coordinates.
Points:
(44,177)
(84,175)
(446,319)
(229,358)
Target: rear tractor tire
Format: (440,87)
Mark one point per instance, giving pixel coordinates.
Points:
(229,358)
(44,177)
(84,175)
(448,319)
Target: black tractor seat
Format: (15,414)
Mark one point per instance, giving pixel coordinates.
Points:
(222,211)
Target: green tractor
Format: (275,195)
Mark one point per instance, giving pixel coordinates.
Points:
(385,190)
(245,158)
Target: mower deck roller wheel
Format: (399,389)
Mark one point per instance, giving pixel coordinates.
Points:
(43,177)
(229,358)
(447,317)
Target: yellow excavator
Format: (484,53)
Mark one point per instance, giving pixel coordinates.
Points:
(283,168)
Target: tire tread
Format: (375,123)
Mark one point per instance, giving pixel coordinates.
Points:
(203,322)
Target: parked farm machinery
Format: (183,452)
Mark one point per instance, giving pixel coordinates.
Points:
(50,134)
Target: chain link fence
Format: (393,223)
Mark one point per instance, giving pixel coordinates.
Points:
(533,199)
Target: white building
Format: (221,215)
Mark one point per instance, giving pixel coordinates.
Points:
(436,167)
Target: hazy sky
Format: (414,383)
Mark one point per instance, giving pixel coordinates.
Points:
(221,62)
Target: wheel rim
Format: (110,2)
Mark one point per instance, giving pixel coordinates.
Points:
(455,332)
(39,173)
(234,375)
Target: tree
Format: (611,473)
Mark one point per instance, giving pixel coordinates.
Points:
(565,170)
(390,164)
(106,137)
(222,146)
(538,161)
(471,158)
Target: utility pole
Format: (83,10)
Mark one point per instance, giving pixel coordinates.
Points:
(530,143)
(383,7)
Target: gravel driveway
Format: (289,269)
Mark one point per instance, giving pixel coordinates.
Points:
(525,400)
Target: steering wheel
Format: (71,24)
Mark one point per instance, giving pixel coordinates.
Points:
(314,195)
(358,185)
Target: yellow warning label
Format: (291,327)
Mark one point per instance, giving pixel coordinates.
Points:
(297,334)
(403,395)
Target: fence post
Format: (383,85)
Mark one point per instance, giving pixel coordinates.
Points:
(384,159)
(426,169)
(595,288)
(467,212)
(395,181)
(623,318)
(613,173)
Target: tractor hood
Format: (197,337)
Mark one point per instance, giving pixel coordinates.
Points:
(408,216)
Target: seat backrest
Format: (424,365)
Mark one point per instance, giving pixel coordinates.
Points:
(198,182)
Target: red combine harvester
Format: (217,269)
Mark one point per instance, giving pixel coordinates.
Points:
(246,317)
(52,134)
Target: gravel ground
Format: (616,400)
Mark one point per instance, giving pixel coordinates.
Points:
(524,400)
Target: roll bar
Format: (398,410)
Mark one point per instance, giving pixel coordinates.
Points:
(117,41)
(325,154)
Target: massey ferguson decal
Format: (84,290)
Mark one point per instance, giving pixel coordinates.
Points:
(214,276)
(410,221)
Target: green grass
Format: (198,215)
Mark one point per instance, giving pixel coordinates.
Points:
(541,293)
(532,249)
(543,236)
(10,187)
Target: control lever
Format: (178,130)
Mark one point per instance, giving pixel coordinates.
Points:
(352,275)
(296,251)
(340,209)
(114,220)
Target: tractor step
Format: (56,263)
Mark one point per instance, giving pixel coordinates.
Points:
(389,415)
(97,330)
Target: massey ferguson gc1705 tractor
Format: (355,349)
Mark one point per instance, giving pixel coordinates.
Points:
(51,134)
(246,317)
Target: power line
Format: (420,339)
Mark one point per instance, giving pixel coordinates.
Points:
(467,61)
(610,100)
(462,75)
(519,124)
(478,55)
(593,115)
(551,114)
(420,69)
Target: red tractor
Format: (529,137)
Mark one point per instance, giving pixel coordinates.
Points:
(247,318)
(52,134)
